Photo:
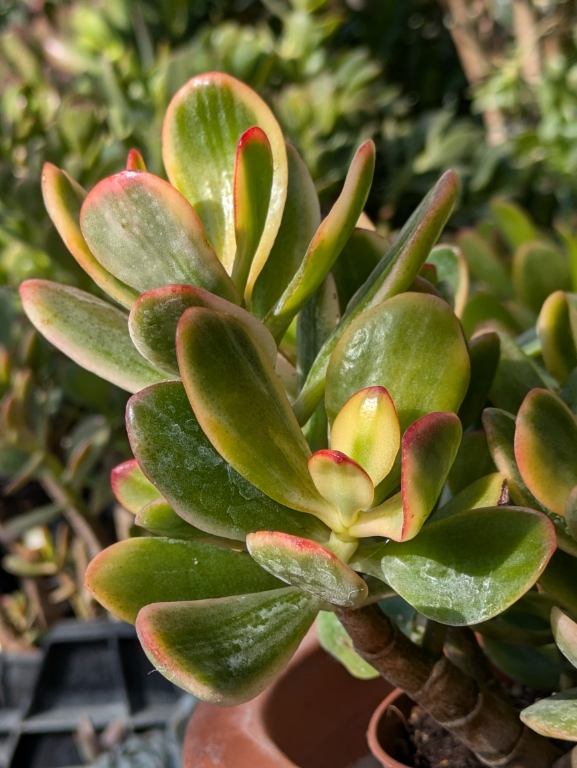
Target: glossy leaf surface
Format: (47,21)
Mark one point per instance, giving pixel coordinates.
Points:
(91,332)
(367,429)
(555,717)
(63,198)
(452,268)
(342,482)
(155,315)
(136,572)
(386,347)
(328,241)
(546,448)
(487,491)
(131,487)
(556,337)
(335,640)
(300,220)
(470,567)
(198,483)
(202,128)
(393,274)
(145,233)
(226,651)
(309,566)
(159,518)
(252,185)
(243,410)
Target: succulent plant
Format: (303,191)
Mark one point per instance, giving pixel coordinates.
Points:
(290,460)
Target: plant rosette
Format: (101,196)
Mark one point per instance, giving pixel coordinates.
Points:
(290,459)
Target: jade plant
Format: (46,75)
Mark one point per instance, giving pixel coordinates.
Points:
(300,390)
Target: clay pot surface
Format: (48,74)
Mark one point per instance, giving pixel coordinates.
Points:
(315,715)
(387,735)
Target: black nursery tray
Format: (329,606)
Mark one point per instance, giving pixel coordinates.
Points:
(95,669)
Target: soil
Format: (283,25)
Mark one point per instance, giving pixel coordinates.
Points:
(434,747)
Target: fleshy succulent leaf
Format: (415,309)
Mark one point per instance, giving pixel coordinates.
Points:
(514,224)
(516,375)
(554,717)
(159,518)
(155,315)
(487,491)
(300,220)
(565,632)
(63,199)
(393,274)
(335,640)
(198,483)
(559,580)
(202,128)
(367,429)
(452,268)
(556,336)
(136,572)
(243,410)
(148,235)
(252,186)
(309,566)
(539,270)
(361,254)
(226,651)
(90,331)
(386,346)
(131,487)
(484,264)
(472,462)
(484,353)
(428,449)
(135,161)
(342,482)
(546,448)
(472,566)
(328,241)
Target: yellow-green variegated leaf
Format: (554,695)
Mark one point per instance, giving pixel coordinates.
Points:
(367,429)
(90,331)
(202,128)
(341,481)
(131,487)
(227,650)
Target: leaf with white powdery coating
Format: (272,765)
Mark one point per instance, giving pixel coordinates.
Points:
(309,566)
(155,315)
(200,486)
(472,566)
(147,234)
(63,199)
(91,332)
(136,572)
(202,128)
(226,651)
(554,717)
(243,410)
(328,241)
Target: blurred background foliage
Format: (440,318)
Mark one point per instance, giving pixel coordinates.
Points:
(488,87)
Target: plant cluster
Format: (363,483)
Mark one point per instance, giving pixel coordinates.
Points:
(310,429)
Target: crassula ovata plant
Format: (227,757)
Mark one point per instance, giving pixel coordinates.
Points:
(300,395)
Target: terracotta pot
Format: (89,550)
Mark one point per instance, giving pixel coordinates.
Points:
(315,715)
(387,734)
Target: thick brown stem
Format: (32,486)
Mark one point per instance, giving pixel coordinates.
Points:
(526,28)
(484,722)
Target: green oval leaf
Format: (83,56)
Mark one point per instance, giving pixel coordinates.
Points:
(515,225)
(452,268)
(555,717)
(226,651)
(484,264)
(335,640)
(136,572)
(202,128)
(63,199)
(565,632)
(386,347)
(342,482)
(556,337)
(145,233)
(91,332)
(159,518)
(484,353)
(546,448)
(470,567)
(243,410)
(155,315)
(539,270)
(309,566)
(200,486)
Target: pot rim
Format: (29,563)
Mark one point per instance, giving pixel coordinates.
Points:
(372,738)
